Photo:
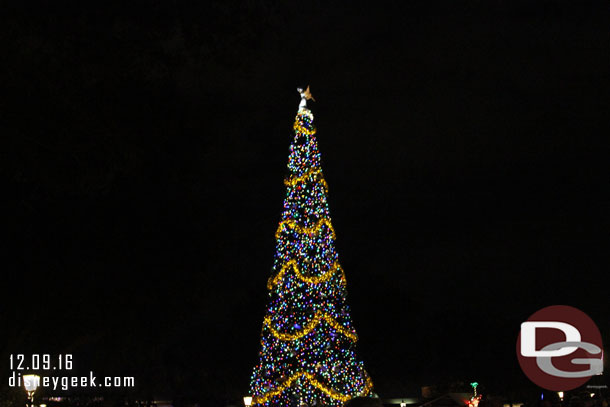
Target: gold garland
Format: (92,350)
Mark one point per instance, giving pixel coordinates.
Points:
(300,129)
(292,224)
(294,180)
(314,171)
(310,280)
(314,382)
(309,327)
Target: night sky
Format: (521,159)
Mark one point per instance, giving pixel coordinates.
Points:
(144,148)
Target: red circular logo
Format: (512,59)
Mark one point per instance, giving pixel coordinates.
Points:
(559,348)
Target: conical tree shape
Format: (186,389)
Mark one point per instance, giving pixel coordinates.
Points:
(308,339)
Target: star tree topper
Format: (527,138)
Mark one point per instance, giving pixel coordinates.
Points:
(305,96)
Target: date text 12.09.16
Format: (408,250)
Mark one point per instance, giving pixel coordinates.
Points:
(38,361)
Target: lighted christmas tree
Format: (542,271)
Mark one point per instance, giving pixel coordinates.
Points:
(308,339)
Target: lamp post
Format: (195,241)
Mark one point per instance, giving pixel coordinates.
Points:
(247,401)
(474,388)
(475,399)
(31,383)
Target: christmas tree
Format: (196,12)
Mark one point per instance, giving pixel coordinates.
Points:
(308,339)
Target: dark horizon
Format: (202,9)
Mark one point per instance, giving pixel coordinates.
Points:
(146,148)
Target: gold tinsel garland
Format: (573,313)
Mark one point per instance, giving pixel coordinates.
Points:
(311,280)
(292,224)
(303,130)
(314,382)
(309,327)
(316,172)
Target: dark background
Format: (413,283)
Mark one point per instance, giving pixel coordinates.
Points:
(145,145)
